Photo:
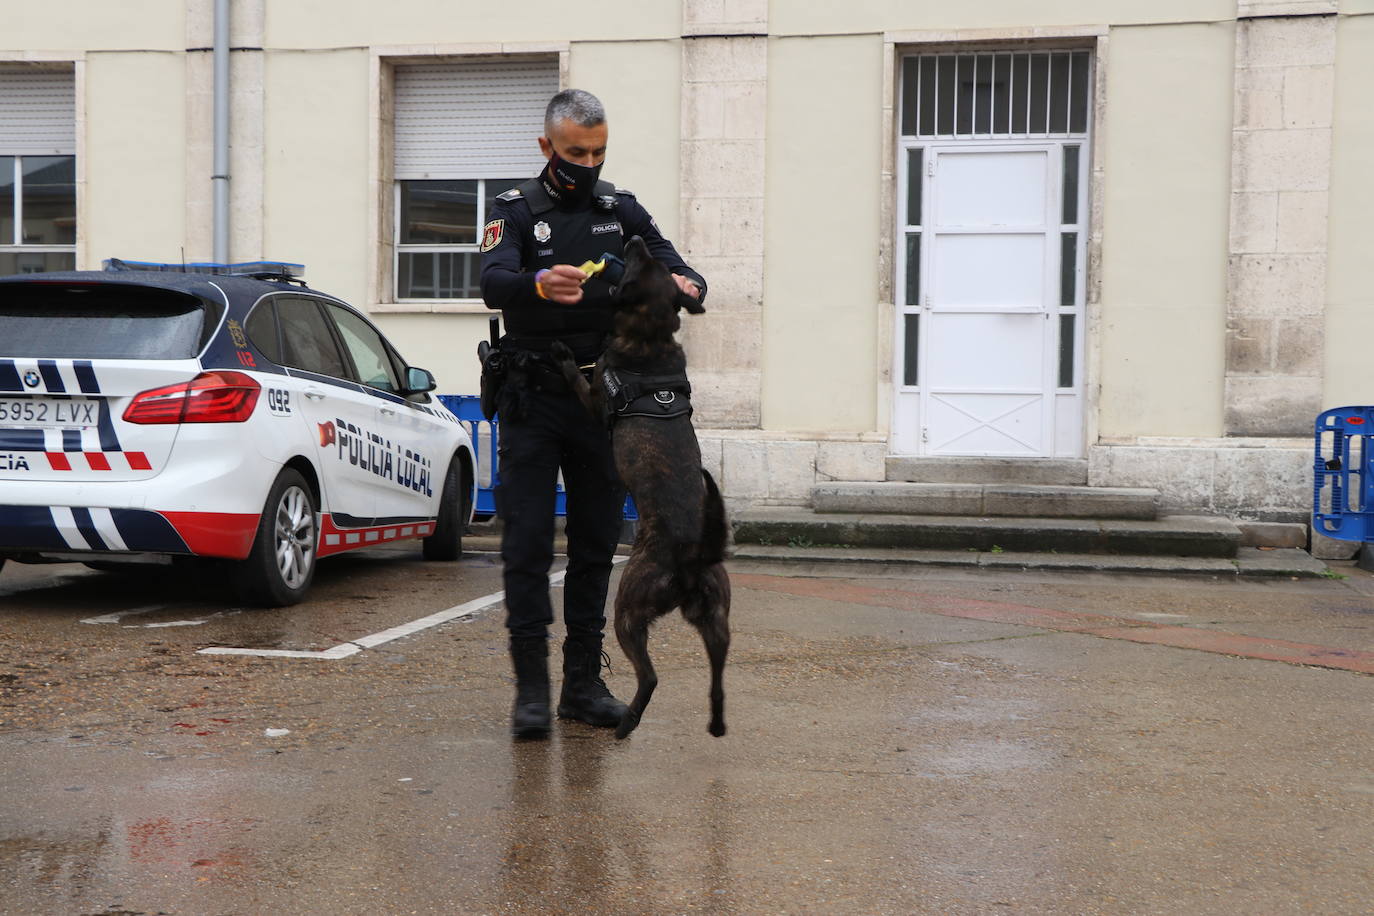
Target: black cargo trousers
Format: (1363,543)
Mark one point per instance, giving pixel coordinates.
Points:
(554,431)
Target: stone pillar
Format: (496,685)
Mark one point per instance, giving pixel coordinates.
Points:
(724,115)
(246,139)
(1280,180)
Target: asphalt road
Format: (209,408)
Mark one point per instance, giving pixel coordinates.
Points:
(942,742)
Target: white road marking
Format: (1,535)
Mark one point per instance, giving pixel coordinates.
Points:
(180,623)
(120,615)
(354,646)
(343,650)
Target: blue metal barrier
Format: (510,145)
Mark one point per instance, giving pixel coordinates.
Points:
(1343,469)
(485,435)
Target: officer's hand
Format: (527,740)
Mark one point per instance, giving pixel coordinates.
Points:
(561,283)
(687,286)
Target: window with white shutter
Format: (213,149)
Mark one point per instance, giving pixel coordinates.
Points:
(464,132)
(37,170)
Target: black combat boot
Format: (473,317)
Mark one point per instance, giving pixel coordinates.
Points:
(585,696)
(530,716)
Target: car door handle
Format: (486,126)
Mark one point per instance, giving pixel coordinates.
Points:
(314,394)
(387,411)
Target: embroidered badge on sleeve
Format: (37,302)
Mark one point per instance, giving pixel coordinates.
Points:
(491,235)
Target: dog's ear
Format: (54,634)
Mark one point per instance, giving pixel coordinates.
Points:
(690,303)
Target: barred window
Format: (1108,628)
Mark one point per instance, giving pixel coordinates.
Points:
(996,94)
(460,127)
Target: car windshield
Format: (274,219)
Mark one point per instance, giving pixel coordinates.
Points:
(101,322)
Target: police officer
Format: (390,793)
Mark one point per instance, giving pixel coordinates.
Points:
(536,234)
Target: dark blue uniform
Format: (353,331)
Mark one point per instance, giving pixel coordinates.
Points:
(544,428)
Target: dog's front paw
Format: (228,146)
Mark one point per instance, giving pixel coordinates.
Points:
(716,729)
(559,351)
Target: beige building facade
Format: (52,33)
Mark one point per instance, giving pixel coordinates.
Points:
(1130,234)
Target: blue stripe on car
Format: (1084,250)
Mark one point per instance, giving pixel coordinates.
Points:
(51,377)
(86,525)
(85,376)
(71,440)
(143,530)
(22,440)
(344,520)
(109,442)
(9,376)
(29,527)
(324,379)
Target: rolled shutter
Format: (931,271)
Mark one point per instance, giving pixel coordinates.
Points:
(476,119)
(37,112)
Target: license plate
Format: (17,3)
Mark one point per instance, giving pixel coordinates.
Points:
(49,413)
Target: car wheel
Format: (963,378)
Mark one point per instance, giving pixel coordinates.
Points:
(281,564)
(446,543)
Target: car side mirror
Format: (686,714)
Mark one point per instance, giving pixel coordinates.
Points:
(418,380)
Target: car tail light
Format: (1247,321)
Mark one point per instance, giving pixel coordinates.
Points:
(211,397)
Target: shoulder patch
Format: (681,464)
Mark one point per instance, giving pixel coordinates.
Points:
(512,194)
(491,234)
(626,191)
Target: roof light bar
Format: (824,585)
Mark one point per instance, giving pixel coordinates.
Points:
(284,269)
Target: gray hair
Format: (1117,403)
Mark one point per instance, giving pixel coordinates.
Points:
(575,105)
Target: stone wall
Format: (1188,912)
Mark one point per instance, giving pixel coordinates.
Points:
(724,118)
(1260,479)
(1281,170)
(757,468)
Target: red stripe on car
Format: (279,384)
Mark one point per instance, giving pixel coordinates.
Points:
(216,534)
(58,461)
(138,461)
(334,539)
(97,461)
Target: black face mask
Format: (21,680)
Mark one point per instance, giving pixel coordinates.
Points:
(569,183)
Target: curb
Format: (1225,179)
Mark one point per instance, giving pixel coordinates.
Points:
(1249,562)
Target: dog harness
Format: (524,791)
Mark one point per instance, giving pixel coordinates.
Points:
(630,394)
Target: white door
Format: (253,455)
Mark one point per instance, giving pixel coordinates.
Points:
(980,359)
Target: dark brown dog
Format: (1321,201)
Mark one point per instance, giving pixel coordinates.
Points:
(678,556)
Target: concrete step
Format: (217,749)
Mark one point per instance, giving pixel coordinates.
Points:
(1025,501)
(1249,562)
(1064,472)
(1173,535)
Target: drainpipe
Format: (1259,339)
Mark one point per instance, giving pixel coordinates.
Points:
(220,177)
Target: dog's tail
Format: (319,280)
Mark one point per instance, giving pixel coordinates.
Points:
(693,558)
(715,527)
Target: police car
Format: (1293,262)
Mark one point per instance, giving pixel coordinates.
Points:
(152,411)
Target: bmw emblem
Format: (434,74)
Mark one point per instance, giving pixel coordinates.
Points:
(31,378)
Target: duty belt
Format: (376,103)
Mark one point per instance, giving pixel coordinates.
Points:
(531,363)
(630,394)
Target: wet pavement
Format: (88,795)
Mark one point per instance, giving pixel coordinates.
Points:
(940,741)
